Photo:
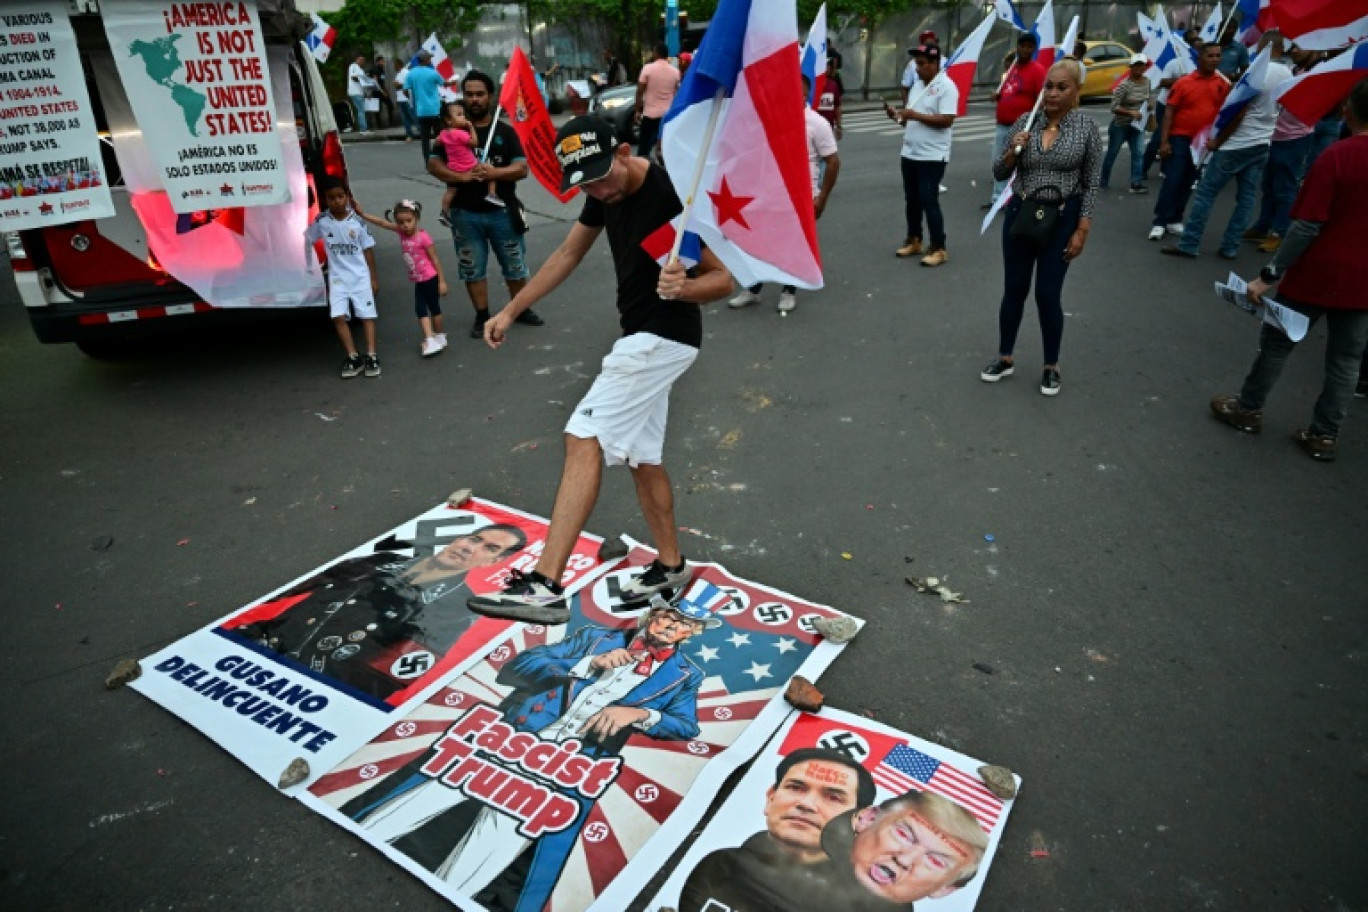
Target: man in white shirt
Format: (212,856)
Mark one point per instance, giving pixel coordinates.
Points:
(823,165)
(356,90)
(1240,153)
(928,117)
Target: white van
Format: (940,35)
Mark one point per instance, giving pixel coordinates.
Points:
(95,283)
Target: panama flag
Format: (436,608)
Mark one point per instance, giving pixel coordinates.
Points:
(440,62)
(745,174)
(1249,87)
(320,41)
(660,242)
(1256,17)
(1211,29)
(814,58)
(1008,14)
(1311,96)
(1147,27)
(961,65)
(1044,30)
(1070,38)
(1322,25)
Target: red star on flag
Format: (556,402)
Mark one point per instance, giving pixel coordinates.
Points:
(728,205)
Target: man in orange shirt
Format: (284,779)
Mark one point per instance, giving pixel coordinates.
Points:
(1193,104)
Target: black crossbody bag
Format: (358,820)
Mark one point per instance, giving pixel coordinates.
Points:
(1039,214)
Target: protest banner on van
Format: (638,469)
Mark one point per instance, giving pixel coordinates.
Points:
(560,771)
(197,78)
(841,812)
(319,667)
(50,167)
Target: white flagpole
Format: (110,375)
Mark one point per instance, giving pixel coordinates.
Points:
(1234,5)
(1030,120)
(697,175)
(484,156)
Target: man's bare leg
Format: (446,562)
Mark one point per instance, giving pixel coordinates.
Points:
(657,505)
(479,295)
(575,499)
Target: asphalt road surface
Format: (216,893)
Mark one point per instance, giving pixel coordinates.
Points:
(1173,612)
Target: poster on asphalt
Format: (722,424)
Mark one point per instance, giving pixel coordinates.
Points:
(841,812)
(50,166)
(319,667)
(559,772)
(197,78)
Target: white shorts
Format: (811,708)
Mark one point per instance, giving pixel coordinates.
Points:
(626,407)
(354,301)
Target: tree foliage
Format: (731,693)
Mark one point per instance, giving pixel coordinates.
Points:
(362,24)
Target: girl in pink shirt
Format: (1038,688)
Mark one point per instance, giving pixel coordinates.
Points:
(424,269)
(460,143)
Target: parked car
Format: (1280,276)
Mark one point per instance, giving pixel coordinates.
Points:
(1106,62)
(617,105)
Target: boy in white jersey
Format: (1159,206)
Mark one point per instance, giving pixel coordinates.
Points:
(351,273)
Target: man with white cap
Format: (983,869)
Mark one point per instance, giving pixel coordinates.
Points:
(622,418)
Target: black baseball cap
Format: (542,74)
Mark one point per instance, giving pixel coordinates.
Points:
(929,51)
(585,146)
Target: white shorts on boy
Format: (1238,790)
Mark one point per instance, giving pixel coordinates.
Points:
(349,302)
(626,408)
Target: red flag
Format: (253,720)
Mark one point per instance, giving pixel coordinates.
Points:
(522,103)
(962,64)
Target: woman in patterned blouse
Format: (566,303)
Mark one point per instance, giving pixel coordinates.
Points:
(1060,158)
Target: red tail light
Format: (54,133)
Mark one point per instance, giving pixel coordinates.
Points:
(334,162)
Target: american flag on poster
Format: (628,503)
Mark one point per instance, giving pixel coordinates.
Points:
(906,769)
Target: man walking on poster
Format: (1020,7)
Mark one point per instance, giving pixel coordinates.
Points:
(622,418)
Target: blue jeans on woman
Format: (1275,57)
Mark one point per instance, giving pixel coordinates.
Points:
(921,197)
(1344,344)
(1019,259)
(1179,171)
(1152,149)
(1246,167)
(1282,179)
(1119,135)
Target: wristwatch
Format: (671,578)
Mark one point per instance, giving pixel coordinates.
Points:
(1270,274)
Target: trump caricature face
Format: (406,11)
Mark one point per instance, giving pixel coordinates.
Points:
(901,856)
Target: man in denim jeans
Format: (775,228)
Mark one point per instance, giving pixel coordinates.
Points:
(1192,106)
(1239,152)
(1287,162)
(1323,273)
(477,226)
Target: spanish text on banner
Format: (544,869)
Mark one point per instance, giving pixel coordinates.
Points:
(197,78)
(50,169)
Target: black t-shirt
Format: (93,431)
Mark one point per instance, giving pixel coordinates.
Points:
(505,150)
(629,223)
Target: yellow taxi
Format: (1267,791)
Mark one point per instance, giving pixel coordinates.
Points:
(1106,62)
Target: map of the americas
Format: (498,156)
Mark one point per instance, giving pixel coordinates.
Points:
(161,61)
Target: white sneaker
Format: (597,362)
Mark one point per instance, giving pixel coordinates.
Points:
(1156,233)
(441,339)
(1176,228)
(787,302)
(743,298)
(431,346)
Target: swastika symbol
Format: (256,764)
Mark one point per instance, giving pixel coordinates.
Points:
(454,699)
(772,614)
(805,623)
(647,793)
(722,713)
(596,831)
(412,664)
(500,654)
(844,742)
(369,771)
(738,604)
(698,747)
(404,729)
